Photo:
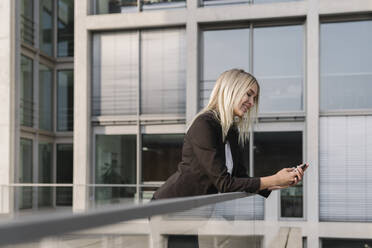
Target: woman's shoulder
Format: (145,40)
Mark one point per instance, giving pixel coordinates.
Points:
(208,118)
(204,124)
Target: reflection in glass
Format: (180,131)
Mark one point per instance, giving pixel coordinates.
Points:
(45,194)
(65,103)
(159,4)
(25,173)
(222,50)
(64,174)
(115,6)
(161,154)
(115,164)
(278,66)
(115,73)
(274,151)
(27,21)
(45,98)
(65,34)
(115,159)
(46,26)
(27,92)
(345,65)
(163,71)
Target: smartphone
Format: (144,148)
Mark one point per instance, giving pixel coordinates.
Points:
(303,166)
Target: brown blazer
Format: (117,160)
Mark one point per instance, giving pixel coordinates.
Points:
(202,169)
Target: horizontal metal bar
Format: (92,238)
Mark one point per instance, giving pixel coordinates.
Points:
(39,226)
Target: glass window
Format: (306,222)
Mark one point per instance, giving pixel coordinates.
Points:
(278,66)
(45,98)
(163,71)
(46,26)
(45,194)
(222,50)
(115,159)
(346,243)
(27,21)
(27,92)
(161,154)
(115,73)
(274,151)
(65,103)
(345,171)
(115,6)
(65,34)
(25,174)
(345,65)
(64,173)
(161,4)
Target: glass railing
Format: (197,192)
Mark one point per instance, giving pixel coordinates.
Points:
(117,216)
(226,2)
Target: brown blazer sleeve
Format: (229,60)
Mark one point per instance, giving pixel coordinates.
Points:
(205,138)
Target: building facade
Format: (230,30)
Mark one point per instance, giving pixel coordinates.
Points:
(97,94)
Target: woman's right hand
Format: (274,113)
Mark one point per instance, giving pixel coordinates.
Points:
(286,177)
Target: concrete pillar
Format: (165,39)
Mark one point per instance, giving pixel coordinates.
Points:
(82,127)
(312,120)
(7,113)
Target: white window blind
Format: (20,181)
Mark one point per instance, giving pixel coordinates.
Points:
(346,168)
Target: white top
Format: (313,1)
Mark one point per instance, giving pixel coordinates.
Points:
(229,160)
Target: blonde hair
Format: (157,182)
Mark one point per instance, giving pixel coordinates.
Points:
(230,88)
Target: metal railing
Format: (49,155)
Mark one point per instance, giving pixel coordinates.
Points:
(38,226)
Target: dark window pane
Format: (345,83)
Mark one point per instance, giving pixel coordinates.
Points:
(65,105)
(345,65)
(346,243)
(115,6)
(27,92)
(222,50)
(161,154)
(45,194)
(64,173)
(45,98)
(274,151)
(27,21)
(115,159)
(25,174)
(183,241)
(46,26)
(65,28)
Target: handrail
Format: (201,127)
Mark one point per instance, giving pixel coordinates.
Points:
(40,226)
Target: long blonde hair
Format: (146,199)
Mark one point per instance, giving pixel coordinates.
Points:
(230,88)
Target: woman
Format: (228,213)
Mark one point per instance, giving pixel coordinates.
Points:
(212,150)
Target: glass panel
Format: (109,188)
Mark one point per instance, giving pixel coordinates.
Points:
(161,154)
(46,26)
(25,173)
(45,98)
(65,28)
(346,243)
(27,21)
(65,104)
(274,151)
(278,66)
(222,50)
(115,159)
(345,65)
(274,1)
(45,194)
(115,6)
(64,173)
(163,72)
(27,92)
(345,171)
(160,4)
(115,73)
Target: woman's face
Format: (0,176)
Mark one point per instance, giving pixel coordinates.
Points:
(246,102)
